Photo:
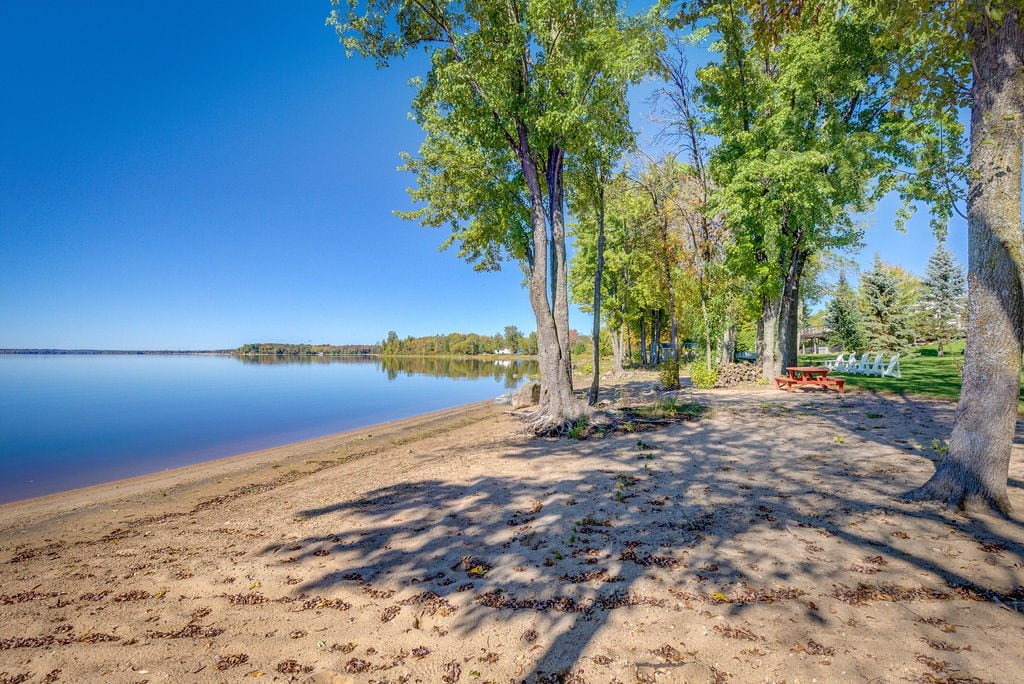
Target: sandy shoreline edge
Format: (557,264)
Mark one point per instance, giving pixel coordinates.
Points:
(192,483)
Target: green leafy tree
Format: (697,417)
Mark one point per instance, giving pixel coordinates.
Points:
(943,297)
(659,182)
(513,90)
(618,272)
(704,234)
(949,54)
(842,318)
(513,338)
(590,179)
(953,54)
(886,308)
(804,139)
(392,345)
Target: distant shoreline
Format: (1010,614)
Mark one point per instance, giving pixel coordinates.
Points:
(121,352)
(235,352)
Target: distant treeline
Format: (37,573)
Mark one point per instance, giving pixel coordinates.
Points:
(512,341)
(122,352)
(280,349)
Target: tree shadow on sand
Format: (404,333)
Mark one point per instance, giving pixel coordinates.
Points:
(787,514)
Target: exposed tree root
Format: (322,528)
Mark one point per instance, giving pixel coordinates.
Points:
(961,491)
(624,420)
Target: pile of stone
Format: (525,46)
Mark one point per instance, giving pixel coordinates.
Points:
(732,374)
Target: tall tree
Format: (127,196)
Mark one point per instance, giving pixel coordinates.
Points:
(703,228)
(943,300)
(953,53)
(801,148)
(590,177)
(885,308)
(843,319)
(627,262)
(514,88)
(950,54)
(659,182)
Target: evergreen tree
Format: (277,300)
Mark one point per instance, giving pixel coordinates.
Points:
(943,299)
(886,308)
(843,319)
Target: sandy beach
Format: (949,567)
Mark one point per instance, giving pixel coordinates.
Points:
(763,541)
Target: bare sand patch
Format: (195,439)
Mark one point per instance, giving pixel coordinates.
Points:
(762,542)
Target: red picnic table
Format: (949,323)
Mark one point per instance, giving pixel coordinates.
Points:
(809,376)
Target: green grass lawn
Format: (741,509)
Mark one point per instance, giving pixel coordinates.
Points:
(924,372)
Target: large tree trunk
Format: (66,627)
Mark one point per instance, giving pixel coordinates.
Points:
(643,339)
(768,339)
(559,269)
(789,331)
(618,338)
(656,337)
(791,265)
(558,405)
(977,465)
(729,344)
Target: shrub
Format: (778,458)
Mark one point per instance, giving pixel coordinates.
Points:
(670,374)
(702,377)
(579,429)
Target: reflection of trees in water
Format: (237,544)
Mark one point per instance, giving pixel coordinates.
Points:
(509,371)
(275,359)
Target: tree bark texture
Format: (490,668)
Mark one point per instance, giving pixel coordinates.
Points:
(656,337)
(558,405)
(643,339)
(768,341)
(977,465)
(560,269)
(789,310)
(618,338)
(729,343)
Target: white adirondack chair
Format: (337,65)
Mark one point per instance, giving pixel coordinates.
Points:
(863,366)
(876,367)
(893,369)
(832,365)
(850,362)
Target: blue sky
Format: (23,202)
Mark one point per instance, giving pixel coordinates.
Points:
(197,175)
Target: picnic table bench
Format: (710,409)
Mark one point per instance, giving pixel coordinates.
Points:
(808,376)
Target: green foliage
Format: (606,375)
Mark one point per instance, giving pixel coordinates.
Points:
(671,407)
(843,318)
(459,344)
(579,429)
(284,349)
(548,78)
(669,374)
(702,377)
(800,139)
(814,128)
(943,305)
(746,336)
(886,308)
(514,95)
(667,408)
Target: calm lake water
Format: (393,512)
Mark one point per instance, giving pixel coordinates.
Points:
(73,420)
